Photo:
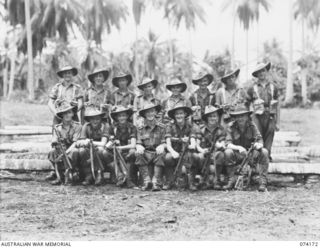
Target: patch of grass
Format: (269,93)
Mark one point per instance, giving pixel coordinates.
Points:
(16,113)
(305,121)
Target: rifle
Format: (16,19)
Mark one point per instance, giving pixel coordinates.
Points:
(92,159)
(239,184)
(205,168)
(65,158)
(177,171)
(119,166)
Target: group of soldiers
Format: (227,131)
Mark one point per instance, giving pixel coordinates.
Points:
(207,141)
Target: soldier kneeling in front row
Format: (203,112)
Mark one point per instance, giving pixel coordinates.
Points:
(241,135)
(64,155)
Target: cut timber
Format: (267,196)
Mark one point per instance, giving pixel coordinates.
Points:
(25,164)
(309,151)
(6,132)
(294,168)
(25,127)
(19,147)
(287,138)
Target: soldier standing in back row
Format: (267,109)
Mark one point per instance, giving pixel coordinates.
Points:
(264,97)
(66,90)
(177,87)
(230,94)
(122,96)
(147,97)
(202,97)
(96,94)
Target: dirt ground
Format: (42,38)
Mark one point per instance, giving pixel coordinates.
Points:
(35,210)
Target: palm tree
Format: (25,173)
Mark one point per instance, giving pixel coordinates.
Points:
(190,11)
(40,20)
(246,11)
(138,7)
(289,86)
(306,11)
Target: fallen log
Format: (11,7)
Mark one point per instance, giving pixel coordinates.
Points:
(309,151)
(25,164)
(6,132)
(22,147)
(294,168)
(27,127)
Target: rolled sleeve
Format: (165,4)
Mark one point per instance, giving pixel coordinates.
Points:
(54,92)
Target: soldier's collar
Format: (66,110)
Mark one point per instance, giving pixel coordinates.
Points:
(69,84)
(215,128)
(124,93)
(180,96)
(151,124)
(206,90)
(96,89)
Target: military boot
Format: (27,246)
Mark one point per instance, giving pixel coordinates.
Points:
(157,178)
(56,182)
(147,184)
(262,184)
(191,179)
(99,178)
(231,179)
(88,180)
(52,176)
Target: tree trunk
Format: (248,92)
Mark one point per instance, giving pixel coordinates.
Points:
(247,54)
(289,86)
(136,65)
(190,57)
(29,49)
(304,69)
(12,69)
(233,36)
(170,45)
(5,76)
(258,40)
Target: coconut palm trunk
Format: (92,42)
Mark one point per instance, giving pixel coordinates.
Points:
(13,58)
(29,51)
(247,54)
(289,86)
(304,68)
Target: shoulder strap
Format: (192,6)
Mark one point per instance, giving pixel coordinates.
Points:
(116,98)
(74,91)
(223,91)
(272,90)
(255,88)
(196,98)
(60,91)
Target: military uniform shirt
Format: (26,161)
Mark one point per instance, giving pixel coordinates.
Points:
(197,99)
(95,97)
(174,131)
(141,101)
(88,132)
(264,93)
(172,101)
(151,136)
(69,135)
(123,133)
(206,136)
(225,97)
(122,98)
(70,93)
(251,134)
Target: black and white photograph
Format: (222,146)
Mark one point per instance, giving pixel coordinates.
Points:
(159,120)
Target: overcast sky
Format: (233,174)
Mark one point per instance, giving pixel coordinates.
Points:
(216,33)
